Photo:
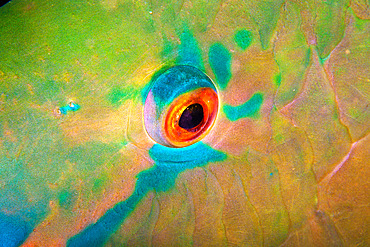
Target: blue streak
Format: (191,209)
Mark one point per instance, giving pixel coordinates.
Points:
(70,107)
(248,109)
(169,163)
(13,230)
(189,52)
(220,61)
(16,226)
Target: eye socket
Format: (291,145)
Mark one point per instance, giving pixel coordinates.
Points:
(181,106)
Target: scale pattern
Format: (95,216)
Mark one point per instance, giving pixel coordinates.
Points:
(286,164)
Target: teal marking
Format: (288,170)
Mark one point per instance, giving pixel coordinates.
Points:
(243,39)
(220,61)
(145,91)
(248,109)
(23,216)
(70,107)
(13,230)
(189,52)
(169,163)
(67,199)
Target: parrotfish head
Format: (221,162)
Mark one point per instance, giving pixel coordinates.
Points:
(184,123)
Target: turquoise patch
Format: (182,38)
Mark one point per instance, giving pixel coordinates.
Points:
(18,216)
(220,61)
(169,163)
(248,109)
(189,52)
(243,38)
(13,230)
(70,107)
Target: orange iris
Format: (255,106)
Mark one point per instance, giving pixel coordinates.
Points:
(181,137)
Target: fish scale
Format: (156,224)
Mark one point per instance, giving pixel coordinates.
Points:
(285,164)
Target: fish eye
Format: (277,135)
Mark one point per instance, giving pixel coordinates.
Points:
(181,106)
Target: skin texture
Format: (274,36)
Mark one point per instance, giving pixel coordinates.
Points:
(286,163)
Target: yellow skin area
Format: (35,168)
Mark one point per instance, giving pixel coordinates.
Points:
(295,175)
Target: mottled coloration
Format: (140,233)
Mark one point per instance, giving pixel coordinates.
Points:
(285,164)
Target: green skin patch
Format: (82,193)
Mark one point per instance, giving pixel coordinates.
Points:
(243,39)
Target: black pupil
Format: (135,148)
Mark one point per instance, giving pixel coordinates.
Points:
(191,117)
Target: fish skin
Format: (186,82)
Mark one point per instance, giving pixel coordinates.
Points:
(295,173)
